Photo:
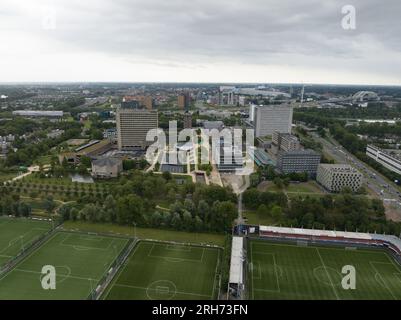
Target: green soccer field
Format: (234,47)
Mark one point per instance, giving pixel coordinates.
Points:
(80,261)
(18,233)
(289,271)
(166,271)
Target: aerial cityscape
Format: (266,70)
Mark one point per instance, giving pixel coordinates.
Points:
(199,159)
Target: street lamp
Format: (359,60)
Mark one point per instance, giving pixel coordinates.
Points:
(134,224)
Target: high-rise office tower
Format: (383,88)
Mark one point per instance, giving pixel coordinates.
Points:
(187,120)
(184,100)
(268,119)
(132,127)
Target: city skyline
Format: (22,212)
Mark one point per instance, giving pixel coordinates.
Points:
(200,41)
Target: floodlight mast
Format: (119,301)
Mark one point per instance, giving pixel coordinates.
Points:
(134,224)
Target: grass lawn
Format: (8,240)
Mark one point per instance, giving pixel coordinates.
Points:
(7,176)
(44,160)
(289,271)
(80,261)
(147,233)
(307,187)
(255,218)
(302,187)
(164,271)
(18,233)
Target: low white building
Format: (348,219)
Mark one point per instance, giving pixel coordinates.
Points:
(391,162)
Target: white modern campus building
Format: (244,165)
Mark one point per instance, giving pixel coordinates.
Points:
(268,119)
(391,162)
(133,126)
(336,177)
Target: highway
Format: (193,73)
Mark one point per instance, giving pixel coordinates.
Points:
(380,185)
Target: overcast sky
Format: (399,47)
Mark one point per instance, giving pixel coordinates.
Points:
(200,41)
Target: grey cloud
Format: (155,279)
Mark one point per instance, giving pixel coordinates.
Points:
(205,31)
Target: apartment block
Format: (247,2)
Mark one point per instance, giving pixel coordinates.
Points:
(184,100)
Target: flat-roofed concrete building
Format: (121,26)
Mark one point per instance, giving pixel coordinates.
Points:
(184,100)
(268,119)
(228,157)
(143,101)
(106,167)
(38,113)
(298,161)
(91,149)
(187,120)
(336,177)
(284,142)
(210,125)
(385,158)
(133,126)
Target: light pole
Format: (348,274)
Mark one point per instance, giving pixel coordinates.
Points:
(134,224)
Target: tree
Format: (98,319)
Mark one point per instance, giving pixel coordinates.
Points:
(167,175)
(176,222)
(276,213)
(24,209)
(223,215)
(86,161)
(263,210)
(278,182)
(189,206)
(49,204)
(251,198)
(203,210)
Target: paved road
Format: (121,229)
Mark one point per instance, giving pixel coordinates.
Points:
(380,185)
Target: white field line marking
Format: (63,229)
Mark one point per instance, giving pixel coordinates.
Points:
(121,271)
(78,246)
(314,246)
(253,287)
(397,266)
(215,272)
(32,253)
(257,263)
(132,256)
(372,264)
(154,289)
(203,252)
(18,239)
(112,260)
(166,258)
(150,251)
(62,276)
(260,270)
(275,272)
(327,273)
(178,248)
